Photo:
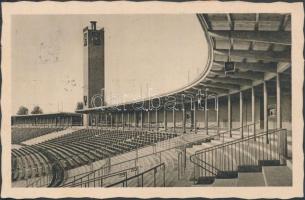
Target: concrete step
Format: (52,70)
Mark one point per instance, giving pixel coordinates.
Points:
(277,175)
(246,179)
(183,183)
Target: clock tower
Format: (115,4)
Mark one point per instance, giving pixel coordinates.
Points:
(94,66)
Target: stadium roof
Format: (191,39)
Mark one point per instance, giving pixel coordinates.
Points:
(48,114)
(258,44)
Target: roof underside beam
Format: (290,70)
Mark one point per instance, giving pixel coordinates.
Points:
(231,80)
(212,89)
(258,55)
(275,37)
(258,67)
(209,82)
(243,75)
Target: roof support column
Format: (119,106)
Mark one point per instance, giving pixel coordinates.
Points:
(253,111)
(106,120)
(165,119)
(278,102)
(183,117)
(265,110)
(229,115)
(128,119)
(206,116)
(241,122)
(195,118)
(85,120)
(96,117)
(217,114)
(174,120)
(135,119)
(123,121)
(148,119)
(142,121)
(157,120)
(111,121)
(116,121)
(103,119)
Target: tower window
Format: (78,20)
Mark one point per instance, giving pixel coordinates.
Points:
(96,38)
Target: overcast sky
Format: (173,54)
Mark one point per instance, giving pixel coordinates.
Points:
(159,52)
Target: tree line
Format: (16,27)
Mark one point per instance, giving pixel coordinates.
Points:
(25,111)
(37,110)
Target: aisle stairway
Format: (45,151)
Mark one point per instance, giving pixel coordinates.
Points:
(243,162)
(270,176)
(170,159)
(50,136)
(266,175)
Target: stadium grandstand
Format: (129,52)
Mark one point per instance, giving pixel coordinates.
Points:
(47,120)
(229,127)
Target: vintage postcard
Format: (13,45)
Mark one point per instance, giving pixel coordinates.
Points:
(152,99)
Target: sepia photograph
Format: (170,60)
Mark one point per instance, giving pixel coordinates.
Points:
(199,100)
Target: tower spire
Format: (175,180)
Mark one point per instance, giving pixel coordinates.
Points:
(93,25)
